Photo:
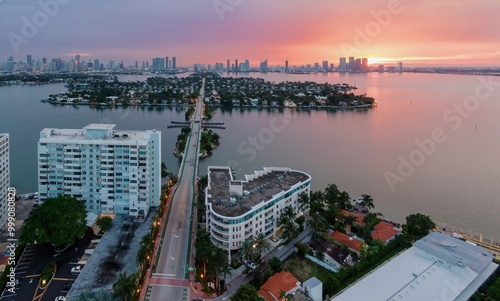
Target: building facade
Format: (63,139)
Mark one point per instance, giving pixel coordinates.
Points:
(112,171)
(4,177)
(239,210)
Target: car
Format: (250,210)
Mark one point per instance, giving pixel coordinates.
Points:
(27,197)
(35,195)
(60,298)
(76,270)
(276,239)
(252,265)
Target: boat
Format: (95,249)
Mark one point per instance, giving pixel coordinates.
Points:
(43,100)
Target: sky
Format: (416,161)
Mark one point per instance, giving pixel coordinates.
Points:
(418,32)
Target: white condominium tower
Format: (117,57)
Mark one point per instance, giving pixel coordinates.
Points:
(112,171)
(4,177)
(239,210)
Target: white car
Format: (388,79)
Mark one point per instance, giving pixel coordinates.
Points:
(76,270)
(252,265)
(60,298)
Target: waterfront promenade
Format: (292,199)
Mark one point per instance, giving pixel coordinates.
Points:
(167,279)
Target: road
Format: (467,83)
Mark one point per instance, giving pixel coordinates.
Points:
(168,281)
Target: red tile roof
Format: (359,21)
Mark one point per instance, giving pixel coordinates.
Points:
(384,231)
(351,243)
(282,281)
(359,216)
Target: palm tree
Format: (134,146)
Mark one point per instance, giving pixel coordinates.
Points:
(349,220)
(367,202)
(125,286)
(318,224)
(218,260)
(290,231)
(332,193)
(261,243)
(304,201)
(247,250)
(225,271)
(316,202)
(344,200)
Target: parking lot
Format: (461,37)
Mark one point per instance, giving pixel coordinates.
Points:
(35,258)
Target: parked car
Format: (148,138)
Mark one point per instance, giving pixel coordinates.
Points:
(252,265)
(76,270)
(60,298)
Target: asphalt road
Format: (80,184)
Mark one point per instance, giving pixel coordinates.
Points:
(173,260)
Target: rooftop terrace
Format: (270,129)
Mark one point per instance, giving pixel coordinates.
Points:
(233,198)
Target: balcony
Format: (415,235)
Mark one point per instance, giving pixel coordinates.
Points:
(220,237)
(220,229)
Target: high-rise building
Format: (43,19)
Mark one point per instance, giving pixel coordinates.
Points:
(4,178)
(78,66)
(364,64)
(357,65)
(228,65)
(237,210)
(112,171)
(325,66)
(400,67)
(97,65)
(29,61)
(380,68)
(342,64)
(286,66)
(352,64)
(263,66)
(167,63)
(111,64)
(136,65)
(174,63)
(158,64)
(316,67)
(236,66)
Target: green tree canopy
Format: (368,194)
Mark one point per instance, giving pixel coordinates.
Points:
(104,223)
(246,292)
(418,225)
(59,221)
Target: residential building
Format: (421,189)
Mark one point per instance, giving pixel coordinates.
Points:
(4,177)
(112,171)
(436,267)
(158,64)
(352,243)
(263,66)
(352,64)
(400,67)
(279,282)
(174,63)
(325,66)
(336,257)
(313,288)
(237,210)
(385,232)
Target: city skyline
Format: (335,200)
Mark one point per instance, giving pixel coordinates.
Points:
(385,31)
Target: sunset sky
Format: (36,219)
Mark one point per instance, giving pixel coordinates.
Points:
(430,32)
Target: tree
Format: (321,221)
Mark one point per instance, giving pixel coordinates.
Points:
(345,200)
(247,250)
(276,264)
(261,243)
(367,202)
(304,202)
(59,221)
(164,172)
(246,292)
(418,225)
(494,291)
(349,220)
(124,287)
(318,224)
(104,223)
(331,284)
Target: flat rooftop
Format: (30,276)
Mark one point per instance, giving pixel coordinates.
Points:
(80,136)
(257,188)
(418,275)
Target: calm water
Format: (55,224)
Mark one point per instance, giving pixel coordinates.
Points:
(455,182)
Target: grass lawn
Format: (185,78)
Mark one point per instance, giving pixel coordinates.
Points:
(303,269)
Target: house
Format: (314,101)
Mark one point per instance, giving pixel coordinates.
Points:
(385,232)
(279,282)
(314,289)
(359,219)
(353,243)
(334,256)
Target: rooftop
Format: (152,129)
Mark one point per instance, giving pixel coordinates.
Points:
(84,136)
(359,216)
(336,253)
(384,231)
(282,281)
(234,198)
(423,272)
(352,243)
